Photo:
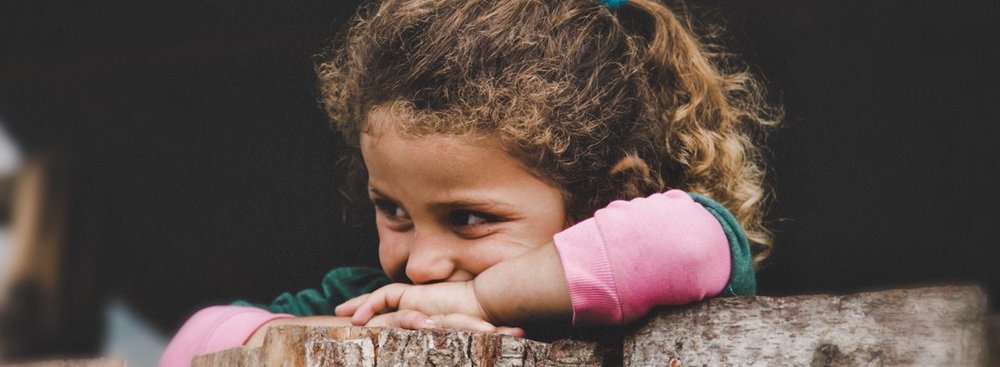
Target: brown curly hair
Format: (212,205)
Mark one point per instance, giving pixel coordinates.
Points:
(606,103)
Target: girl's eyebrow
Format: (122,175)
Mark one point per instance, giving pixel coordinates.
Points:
(467,203)
(378,194)
(479,203)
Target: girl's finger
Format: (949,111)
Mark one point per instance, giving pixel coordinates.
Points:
(512,331)
(414,320)
(406,319)
(383,300)
(347,308)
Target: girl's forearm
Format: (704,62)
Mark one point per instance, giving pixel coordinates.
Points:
(525,289)
(665,249)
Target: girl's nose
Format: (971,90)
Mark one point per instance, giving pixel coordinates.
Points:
(432,259)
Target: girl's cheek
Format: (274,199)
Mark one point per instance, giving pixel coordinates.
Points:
(490,251)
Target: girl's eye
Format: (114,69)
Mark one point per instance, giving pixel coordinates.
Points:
(400,213)
(465,218)
(391,210)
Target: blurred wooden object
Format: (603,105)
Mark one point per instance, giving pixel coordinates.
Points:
(31,310)
(935,326)
(53,294)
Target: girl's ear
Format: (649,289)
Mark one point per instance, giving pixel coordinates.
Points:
(632,178)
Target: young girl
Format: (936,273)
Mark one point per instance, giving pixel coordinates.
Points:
(488,134)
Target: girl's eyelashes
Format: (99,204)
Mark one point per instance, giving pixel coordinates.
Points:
(466,223)
(469,218)
(390,209)
(471,224)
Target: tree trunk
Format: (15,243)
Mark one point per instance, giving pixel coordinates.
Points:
(355,346)
(943,326)
(937,326)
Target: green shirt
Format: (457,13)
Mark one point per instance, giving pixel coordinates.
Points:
(339,285)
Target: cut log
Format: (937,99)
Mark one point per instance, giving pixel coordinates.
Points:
(356,346)
(940,326)
(244,357)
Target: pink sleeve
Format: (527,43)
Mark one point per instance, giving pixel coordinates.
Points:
(214,329)
(634,255)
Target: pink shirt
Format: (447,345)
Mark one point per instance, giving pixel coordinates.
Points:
(667,240)
(610,261)
(214,329)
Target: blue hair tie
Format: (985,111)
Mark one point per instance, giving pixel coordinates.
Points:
(613,3)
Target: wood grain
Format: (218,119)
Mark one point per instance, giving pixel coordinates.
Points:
(933,326)
(940,326)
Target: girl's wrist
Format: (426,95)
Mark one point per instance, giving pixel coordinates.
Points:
(527,289)
(483,312)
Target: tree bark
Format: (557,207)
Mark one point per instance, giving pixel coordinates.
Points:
(937,326)
(355,346)
(942,326)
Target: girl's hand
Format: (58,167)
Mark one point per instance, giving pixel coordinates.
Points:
(536,278)
(451,305)
(431,299)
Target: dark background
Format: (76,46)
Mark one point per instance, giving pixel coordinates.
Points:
(201,169)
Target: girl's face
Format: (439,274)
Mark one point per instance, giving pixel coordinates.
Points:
(448,208)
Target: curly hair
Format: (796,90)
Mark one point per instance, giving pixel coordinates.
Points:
(605,103)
